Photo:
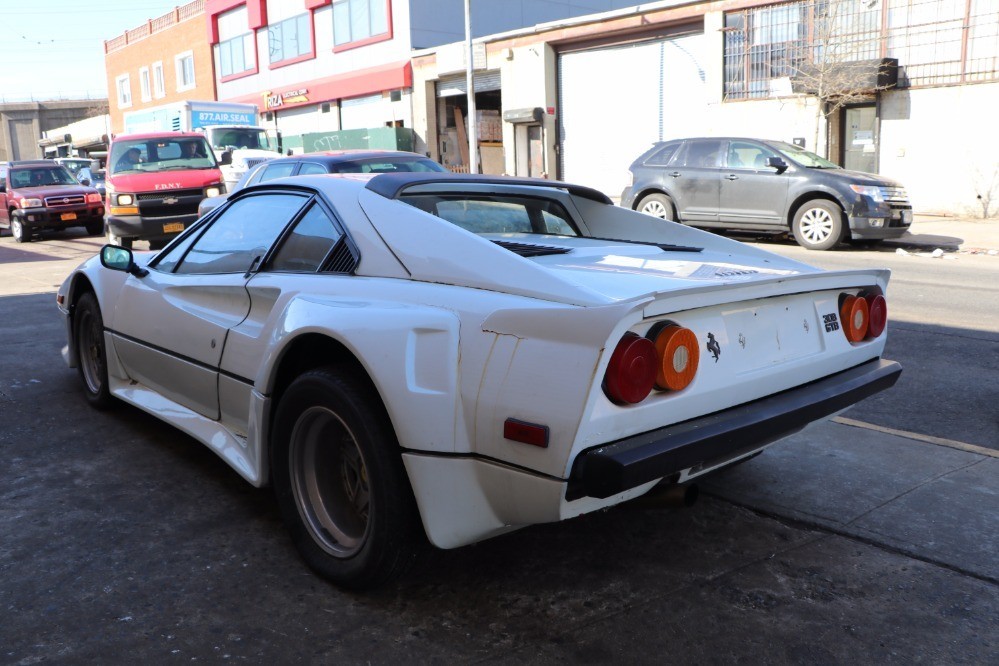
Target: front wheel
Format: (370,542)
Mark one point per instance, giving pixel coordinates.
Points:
(340,481)
(657,205)
(17,229)
(818,225)
(114,239)
(92,360)
(94,228)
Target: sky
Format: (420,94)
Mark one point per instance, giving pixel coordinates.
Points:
(54,49)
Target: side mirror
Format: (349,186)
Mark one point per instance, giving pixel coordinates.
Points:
(226,157)
(85,181)
(120,259)
(777,163)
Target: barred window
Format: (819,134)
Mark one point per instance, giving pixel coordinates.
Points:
(935,41)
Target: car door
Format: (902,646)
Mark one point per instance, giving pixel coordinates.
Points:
(310,247)
(693,180)
(753,195)
(170,325)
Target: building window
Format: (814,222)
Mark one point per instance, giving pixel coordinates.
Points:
(236,56)
(185,71)
(144,90)
(936,41)
(290,39)
(358,20)
(159,86)
(123,87)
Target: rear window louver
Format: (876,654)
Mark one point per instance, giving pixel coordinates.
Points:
(531,249)
(341,259)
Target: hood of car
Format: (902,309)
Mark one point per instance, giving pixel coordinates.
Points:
(858,177)
(50,191)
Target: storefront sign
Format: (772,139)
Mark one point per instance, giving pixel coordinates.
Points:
(274,100)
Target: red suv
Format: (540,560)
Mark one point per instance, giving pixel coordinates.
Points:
(41,195)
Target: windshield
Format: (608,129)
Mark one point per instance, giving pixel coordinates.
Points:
(240,137)
(161,154)
(803,157)
(41,177)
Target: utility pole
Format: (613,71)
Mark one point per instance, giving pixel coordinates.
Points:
(473,135)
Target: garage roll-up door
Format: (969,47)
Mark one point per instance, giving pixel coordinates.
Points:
(457,85)
(615,102)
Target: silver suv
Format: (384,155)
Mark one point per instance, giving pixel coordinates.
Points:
(753,185)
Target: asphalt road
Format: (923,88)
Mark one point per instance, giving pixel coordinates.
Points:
(124,541)
(944,329)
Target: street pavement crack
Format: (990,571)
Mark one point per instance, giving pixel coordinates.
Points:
(829,529)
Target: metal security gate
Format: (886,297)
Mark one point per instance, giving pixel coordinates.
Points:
(614,102)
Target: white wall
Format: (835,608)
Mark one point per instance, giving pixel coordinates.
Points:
(941,143)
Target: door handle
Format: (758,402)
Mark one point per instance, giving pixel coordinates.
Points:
(731,176)
(675,174)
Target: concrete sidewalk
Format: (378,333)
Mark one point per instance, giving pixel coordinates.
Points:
(928,498)
(951,234)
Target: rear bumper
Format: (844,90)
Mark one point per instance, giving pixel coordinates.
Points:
(613,468)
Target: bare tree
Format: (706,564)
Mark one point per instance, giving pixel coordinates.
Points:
(837,61)
(986,187)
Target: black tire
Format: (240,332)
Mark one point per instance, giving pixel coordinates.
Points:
(340,481)
(92,360)
(114,239)
(658,205)
(158,244)
(818,225)
(866,242)
(95,228)
(20,231)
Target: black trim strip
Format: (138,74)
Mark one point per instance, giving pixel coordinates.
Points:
(180,357)
(392,185)
(482,458)
(613,468)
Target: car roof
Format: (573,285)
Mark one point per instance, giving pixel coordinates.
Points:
(158,135)
(335,156)
(32,163)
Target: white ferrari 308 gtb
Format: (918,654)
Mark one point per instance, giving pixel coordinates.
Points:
(413,357)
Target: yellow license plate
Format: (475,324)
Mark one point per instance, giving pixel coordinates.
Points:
(172,227)
(68,216)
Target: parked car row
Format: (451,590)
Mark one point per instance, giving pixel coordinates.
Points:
(719,183)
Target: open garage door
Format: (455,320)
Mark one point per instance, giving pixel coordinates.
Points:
(614,102)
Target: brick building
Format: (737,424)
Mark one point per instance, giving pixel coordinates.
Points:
(167,59)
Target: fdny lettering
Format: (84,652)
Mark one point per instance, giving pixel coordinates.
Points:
(167,186)
(831,321)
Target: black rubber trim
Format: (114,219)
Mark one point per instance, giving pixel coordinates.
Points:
(391,185)
(613,468)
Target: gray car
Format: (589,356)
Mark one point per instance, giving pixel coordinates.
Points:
(334,161)
(768,186)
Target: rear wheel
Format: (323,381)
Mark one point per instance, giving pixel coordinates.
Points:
(340,482)
(657,205)
(92,362)
(818,225)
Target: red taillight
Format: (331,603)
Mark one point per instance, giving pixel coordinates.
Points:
(877,308)
(854,315)
(632,370)
(678,356)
